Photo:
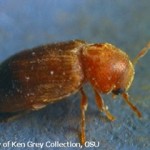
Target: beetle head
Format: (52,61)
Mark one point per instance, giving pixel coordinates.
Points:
(107,68)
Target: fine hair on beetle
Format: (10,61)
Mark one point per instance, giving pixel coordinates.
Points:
(34,78)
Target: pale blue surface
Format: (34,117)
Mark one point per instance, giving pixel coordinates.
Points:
(28,23)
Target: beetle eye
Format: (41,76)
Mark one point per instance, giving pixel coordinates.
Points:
(118,91)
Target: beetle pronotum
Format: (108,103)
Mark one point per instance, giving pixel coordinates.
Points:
(33,78)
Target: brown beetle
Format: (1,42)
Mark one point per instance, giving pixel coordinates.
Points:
(36,77)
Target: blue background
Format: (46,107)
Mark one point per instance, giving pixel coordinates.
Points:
(126,24)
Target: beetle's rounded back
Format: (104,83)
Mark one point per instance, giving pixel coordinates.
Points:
(107,67)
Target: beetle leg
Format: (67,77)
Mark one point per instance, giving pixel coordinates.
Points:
(83,107)
(126,98)
(11,117)
(102,107)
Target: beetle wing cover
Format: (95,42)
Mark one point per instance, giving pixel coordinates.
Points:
(40,75)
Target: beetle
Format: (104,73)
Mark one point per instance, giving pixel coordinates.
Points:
(33,78)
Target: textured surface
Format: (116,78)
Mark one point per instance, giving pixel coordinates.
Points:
(24,24)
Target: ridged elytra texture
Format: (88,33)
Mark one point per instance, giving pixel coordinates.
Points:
(40,75)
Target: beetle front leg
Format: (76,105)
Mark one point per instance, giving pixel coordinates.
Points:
(102,107)
(83,107)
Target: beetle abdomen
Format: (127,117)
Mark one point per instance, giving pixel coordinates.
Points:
(40,75)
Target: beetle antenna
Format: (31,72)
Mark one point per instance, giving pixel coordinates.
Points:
(134,108)
(141,53)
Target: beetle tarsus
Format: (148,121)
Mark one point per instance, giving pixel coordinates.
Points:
(83,106)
